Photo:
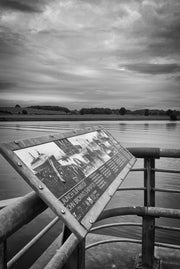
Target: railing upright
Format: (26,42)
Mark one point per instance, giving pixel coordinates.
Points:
(148,229)
(3,255)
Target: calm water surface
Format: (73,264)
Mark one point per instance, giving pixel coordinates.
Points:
(130,134)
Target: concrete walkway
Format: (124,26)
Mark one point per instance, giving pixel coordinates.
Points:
(124,255)
(119,255)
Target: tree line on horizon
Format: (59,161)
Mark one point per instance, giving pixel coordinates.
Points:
(108,111)
(97,111)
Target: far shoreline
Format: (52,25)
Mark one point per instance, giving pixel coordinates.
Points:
(87,117)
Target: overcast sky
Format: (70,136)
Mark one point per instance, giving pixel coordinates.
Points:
(87,53)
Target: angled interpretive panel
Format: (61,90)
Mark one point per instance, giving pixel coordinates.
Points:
(75,173)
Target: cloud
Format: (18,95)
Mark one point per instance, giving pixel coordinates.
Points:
(93,51)
(21,5)
(154,69)
(6,85)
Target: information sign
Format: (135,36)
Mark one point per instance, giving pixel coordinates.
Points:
(76,174)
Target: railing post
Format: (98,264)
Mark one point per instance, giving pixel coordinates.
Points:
(3,255)
(149,182)
(148,229)
(147,260)
(77,258)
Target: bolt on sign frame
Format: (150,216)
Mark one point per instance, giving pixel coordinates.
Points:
(75,173)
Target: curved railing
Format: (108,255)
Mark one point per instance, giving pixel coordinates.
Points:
(23,210)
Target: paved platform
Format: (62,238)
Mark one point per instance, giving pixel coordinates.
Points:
(113,255)
(124,255)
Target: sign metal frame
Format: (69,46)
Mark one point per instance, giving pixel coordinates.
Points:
(79,228)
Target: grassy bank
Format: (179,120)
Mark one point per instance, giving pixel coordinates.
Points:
(16,117)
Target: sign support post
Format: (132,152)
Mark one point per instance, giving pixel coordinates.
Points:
(77,258)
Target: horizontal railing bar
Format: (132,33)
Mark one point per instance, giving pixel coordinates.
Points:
(4,203)
(120,211)
(166,190)
(166,171)
(163,212)
(146,152)
(123,240)
(163,245)
(99,227)
(137,170)
(174,229)
(140,211)
(32,242)
(126,240)
(131,189)
(20,213)
(170,153)
(120,224)
(63,253)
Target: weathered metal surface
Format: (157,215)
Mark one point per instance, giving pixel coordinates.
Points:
(6,202)
(170,153)
(149,182)
(148,229)
(114,240)
(166,190)
(140,211)
(119,224)
(144,152)
(167,171)
(163,212)
(3,255)
(18,214)
(77,258)
(62,254)
(148,238)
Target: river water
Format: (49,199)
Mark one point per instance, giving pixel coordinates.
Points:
(163,134)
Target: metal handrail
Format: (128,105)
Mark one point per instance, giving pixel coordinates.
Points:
(127,240)
(166,171)
(131,189)
(109,225)
(146,152)
(166,190)
(14,216)
(140,211)
(104,226)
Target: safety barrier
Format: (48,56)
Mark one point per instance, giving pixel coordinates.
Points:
(23,210)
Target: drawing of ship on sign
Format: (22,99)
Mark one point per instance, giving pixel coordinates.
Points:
(56,176)
(43,161)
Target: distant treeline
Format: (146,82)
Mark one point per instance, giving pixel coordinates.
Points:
(124,111)
(108,111)
(52,108)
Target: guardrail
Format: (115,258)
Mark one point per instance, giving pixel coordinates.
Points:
(23,210)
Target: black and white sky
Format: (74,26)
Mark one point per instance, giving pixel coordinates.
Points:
(87,53)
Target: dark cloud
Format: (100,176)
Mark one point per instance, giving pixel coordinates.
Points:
(158,27)
(21,5)
(6,85)
(10,43)
(154,69)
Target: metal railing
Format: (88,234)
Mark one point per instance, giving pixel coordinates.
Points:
(25,209)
